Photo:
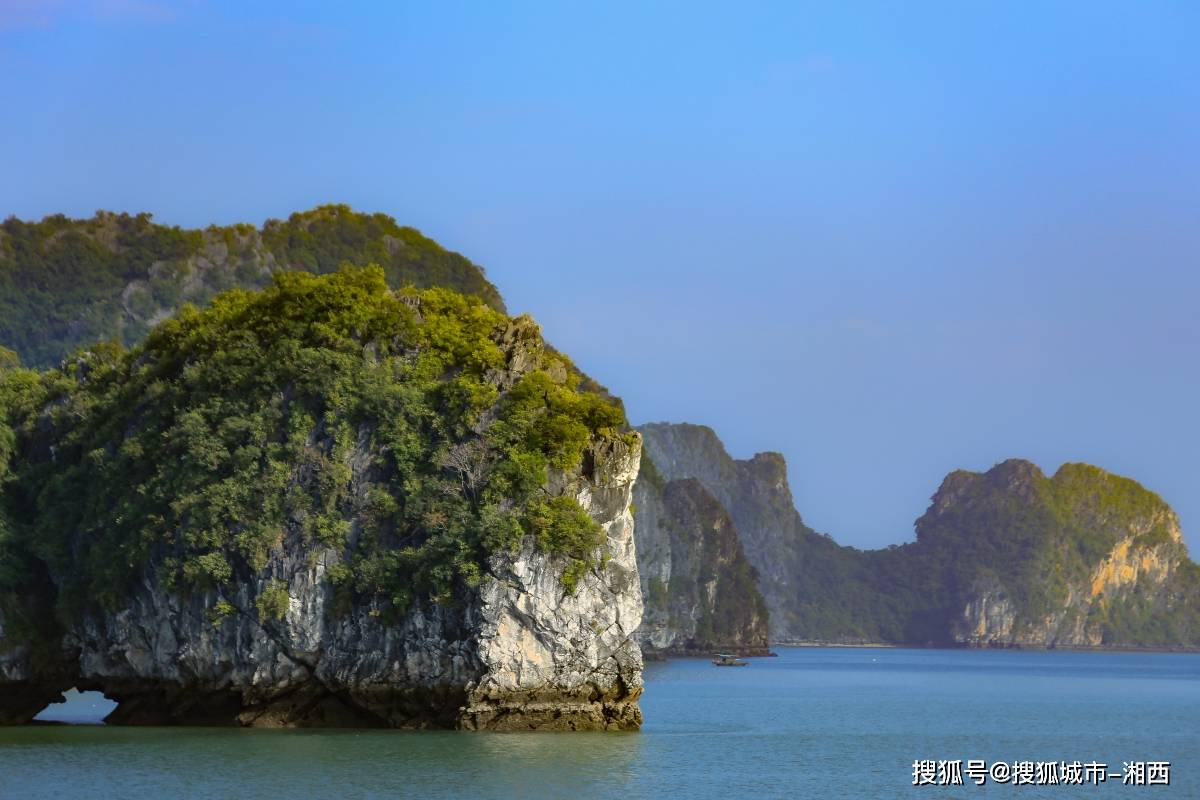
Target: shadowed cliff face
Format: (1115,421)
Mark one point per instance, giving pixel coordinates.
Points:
(812,587)
(698,589)
(34,669)
(447,541)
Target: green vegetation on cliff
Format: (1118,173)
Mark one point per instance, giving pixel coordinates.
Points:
(410,432)
(66,283)
(9,393)
(26,596)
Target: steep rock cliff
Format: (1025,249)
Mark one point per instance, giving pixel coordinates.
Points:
(812,587)
(411,520)
(698,590)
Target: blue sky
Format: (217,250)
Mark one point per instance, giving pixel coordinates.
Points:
(886,239)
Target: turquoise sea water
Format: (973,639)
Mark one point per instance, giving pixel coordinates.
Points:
(814,722)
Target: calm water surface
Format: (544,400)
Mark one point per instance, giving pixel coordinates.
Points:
(814,722)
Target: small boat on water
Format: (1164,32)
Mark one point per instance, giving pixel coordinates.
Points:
(728,660)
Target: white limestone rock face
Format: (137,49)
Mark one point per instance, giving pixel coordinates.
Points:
(559,659)
(1131,571)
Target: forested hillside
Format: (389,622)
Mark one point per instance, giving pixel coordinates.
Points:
(67,282)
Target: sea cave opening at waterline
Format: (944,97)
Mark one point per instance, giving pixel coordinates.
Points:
(79,708)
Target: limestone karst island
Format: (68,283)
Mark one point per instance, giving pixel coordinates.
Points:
(312,474)
(599,400)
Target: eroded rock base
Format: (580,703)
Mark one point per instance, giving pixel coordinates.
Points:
(586,710)
(445,708)
(21,701)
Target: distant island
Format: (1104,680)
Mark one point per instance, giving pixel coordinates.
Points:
(1004,558)
(311,473)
